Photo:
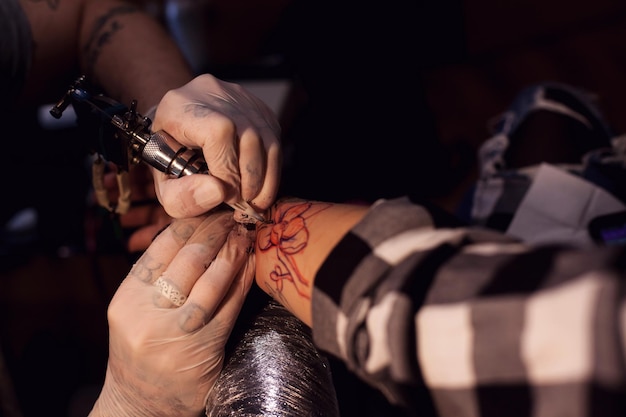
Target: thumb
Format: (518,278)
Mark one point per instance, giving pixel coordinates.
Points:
(188,196)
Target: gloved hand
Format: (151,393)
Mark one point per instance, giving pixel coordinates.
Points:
(171,317)
(240,139)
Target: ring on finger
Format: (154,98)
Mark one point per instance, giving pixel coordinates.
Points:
(176,297)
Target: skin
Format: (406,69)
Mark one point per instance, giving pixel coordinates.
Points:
(171,317)
(185,292)
(114,43)
(132,57)
(239,137)
(123,50)
(291,249)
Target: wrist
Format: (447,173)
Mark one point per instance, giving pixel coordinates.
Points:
(291,249)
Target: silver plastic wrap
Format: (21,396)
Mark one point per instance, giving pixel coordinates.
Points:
(273,369)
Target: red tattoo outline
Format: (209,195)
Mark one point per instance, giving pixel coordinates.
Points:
(289,235)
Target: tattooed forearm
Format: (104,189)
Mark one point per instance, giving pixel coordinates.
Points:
(288,237)
(103,30)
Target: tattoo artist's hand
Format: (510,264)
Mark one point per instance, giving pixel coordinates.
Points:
(239,136)
(171,317)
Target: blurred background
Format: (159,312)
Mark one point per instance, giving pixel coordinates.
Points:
(375,100)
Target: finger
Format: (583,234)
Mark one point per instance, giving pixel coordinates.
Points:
(160,253)
(259,131)
(252,162)
(267,195)
(188,196)
(267,132)
(209,291)
(213,128)
(226,314)
(193,259)
(220,148)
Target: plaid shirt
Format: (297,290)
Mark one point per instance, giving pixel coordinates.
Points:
(460,322)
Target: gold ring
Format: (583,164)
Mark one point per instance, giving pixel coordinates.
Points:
(176,297)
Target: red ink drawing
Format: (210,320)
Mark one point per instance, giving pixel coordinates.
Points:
(289,235)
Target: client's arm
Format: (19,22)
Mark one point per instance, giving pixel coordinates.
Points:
(451,321)
(291,249)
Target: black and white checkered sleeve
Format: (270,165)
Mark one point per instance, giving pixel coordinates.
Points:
(465,322)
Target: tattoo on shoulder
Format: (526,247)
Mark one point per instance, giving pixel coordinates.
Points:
(103,30)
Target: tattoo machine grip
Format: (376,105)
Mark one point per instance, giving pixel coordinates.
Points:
(165,154)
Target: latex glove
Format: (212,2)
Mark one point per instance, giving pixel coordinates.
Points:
(164,358)
(239,136)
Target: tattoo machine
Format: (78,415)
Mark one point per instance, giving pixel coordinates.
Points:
(122,136)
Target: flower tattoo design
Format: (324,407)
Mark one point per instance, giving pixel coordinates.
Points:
(288,235)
